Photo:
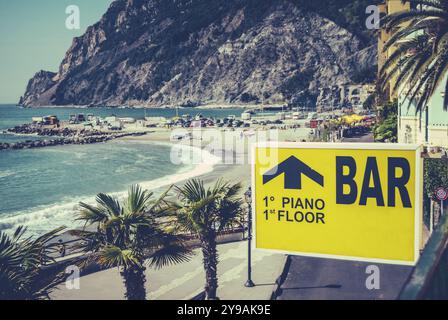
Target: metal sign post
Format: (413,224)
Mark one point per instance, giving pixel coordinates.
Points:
(441,195)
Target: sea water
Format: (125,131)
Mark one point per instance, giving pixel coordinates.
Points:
(41,188)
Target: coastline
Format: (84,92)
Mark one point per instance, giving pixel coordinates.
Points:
(233,171)
(210,171)
(205,106)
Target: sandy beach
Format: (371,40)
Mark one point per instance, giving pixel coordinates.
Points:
(230,146)
(235,172)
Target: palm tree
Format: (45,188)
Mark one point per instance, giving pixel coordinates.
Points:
(131,233)
(206,212)
(21,260)
(420,60)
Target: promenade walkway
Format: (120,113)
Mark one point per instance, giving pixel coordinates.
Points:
(184,281)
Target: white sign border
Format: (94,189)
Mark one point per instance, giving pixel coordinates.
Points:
(347,146)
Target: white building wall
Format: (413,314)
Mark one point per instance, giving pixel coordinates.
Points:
(409,131)
(429,128)
(438,136)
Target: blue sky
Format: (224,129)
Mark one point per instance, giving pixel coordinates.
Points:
(33,37)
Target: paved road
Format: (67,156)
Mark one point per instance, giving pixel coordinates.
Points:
(326,279)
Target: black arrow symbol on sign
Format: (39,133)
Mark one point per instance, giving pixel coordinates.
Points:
(293,169)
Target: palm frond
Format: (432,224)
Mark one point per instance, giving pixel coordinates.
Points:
(137,200)
(21,261)
(112,256)
(419,62)
(203,209)
(109,204)
(160,204)
(397,19)
(90,214)
(169,255)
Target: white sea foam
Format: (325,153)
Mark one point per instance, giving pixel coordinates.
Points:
(44,218)
(206,166)
(6,173)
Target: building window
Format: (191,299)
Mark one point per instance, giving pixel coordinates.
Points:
(408,135)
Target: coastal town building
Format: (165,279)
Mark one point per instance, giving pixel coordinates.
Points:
(77,118)
(348,96)
(47,120)
(428,127)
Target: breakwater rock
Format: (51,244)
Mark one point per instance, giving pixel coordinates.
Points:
(60,136)
(52,132)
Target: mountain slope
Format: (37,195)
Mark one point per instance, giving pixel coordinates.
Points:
(190,52)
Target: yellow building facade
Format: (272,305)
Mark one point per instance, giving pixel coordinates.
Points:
(386,8)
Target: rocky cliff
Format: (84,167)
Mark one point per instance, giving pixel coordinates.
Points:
(191,52)
(38,87)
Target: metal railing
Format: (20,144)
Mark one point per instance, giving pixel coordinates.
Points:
(429,280)
(73,251)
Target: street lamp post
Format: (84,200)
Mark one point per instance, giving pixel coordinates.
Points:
(249,283)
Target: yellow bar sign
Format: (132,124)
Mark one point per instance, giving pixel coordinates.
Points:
(345,201)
